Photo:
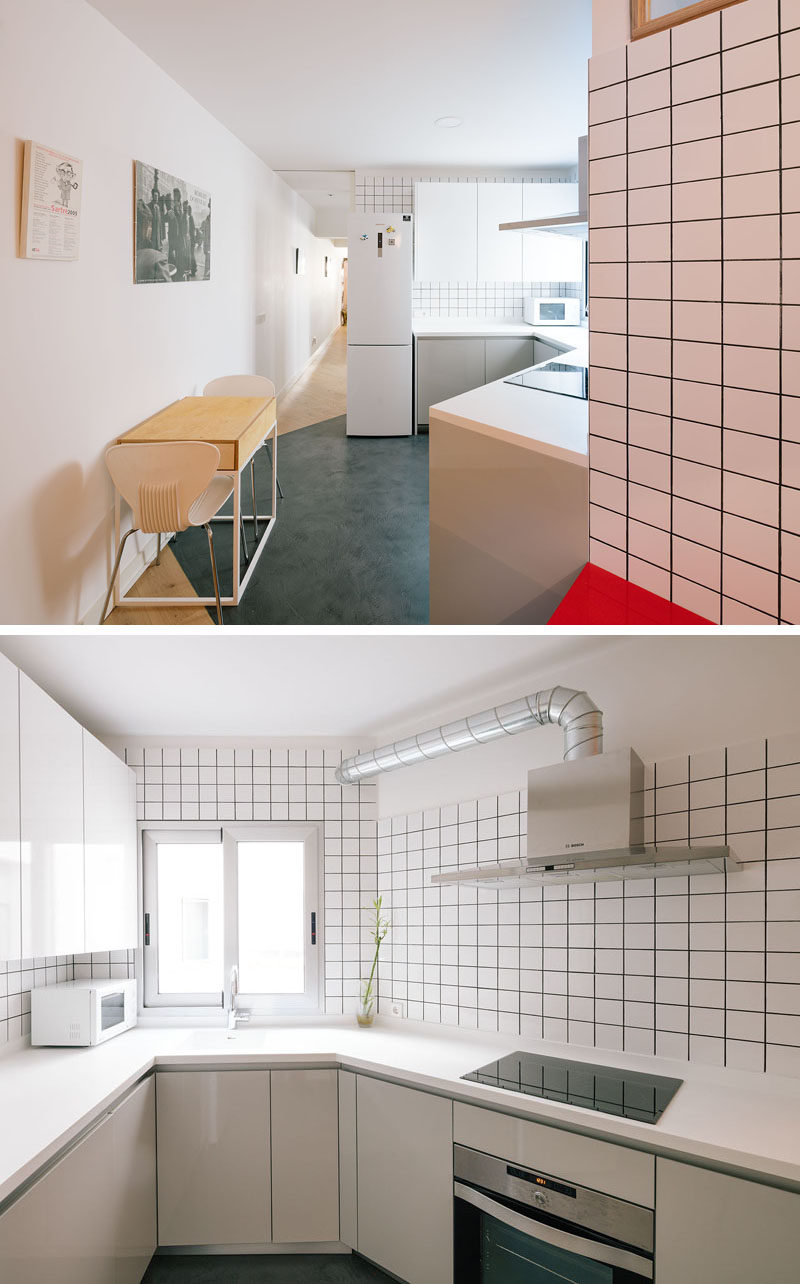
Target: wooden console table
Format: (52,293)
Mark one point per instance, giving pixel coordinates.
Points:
(238,427)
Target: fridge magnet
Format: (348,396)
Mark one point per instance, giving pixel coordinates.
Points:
(51,204)
(172,237)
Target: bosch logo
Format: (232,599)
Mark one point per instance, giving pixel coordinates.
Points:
(569,846)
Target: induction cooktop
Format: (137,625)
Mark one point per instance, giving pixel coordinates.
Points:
(611,1091)
(569,381)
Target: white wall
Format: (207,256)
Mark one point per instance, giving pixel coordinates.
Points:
(611,25)
(84,353)
(662,695)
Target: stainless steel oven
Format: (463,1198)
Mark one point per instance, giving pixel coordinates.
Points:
(514,1225)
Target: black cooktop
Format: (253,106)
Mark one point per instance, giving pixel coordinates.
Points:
(644,1097)
(569,381)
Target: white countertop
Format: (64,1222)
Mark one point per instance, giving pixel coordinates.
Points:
(477,327)
(746,1123)
(544,422)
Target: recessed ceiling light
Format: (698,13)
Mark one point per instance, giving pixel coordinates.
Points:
(449,122)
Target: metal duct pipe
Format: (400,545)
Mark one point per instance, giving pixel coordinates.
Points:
(579,716)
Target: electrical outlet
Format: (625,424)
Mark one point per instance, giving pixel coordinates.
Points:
(397,1009)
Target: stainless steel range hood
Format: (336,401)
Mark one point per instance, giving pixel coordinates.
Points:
(586,825)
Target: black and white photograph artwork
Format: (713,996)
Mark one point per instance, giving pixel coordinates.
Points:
(172,228)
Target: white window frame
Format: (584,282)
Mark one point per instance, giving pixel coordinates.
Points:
(230,835)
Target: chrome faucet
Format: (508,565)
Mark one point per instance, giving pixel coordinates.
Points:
(235,1014)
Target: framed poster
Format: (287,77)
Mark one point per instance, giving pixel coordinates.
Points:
(172,228)
(51,204)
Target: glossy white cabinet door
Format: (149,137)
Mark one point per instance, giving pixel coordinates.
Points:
(10,941)
(134,1185)
(305,1156)
(499,253)
(51,795)
(62,1230)
(546,257)
(405,1181)
(715,1229)
(348,1160)
(446,231)
(109,799)
(213,1157)
(445,368)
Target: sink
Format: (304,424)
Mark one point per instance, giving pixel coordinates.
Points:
(218,1040)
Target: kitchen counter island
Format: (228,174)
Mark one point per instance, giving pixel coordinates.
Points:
(509,498)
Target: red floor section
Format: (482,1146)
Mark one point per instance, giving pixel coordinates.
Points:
(598,597)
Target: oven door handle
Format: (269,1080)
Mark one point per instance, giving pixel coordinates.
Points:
(588,1248)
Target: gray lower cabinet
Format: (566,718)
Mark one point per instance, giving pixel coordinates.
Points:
(716,1229)
(213,1157)
(91,1219)
(348,1160)
(305,1156)
(544,351)
(405,1181)
(133,1132)
(445,368)
(507,356)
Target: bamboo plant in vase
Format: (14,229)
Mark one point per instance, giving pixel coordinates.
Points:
(368,989)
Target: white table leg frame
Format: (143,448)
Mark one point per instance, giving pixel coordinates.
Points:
(239,584)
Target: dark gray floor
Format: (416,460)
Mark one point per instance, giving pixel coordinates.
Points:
(350,545)
(264,1269)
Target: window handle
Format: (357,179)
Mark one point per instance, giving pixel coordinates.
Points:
(313,927)
(147,929)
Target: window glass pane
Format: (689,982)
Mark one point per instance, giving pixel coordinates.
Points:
(271,918)
(190,901)
(660,8)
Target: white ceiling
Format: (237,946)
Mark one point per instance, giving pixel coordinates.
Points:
(330,193)
(285,687)
(359,84)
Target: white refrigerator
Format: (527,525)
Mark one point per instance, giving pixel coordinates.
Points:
(379,277)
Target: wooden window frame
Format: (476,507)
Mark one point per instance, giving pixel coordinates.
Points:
(643,25)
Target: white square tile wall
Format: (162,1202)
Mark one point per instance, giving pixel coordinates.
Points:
(246,783)
(703,968)
(394,194)
(19,976)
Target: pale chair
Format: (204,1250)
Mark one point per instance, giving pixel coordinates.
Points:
(246,386)
(169,487)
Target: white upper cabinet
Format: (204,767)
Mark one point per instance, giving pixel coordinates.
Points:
(499,253)
(10,944)
(446,222)
(109,800)
(51,796)
(546,257)
(546,200)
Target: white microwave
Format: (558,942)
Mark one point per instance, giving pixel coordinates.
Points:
(79,1013)
(552,311)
